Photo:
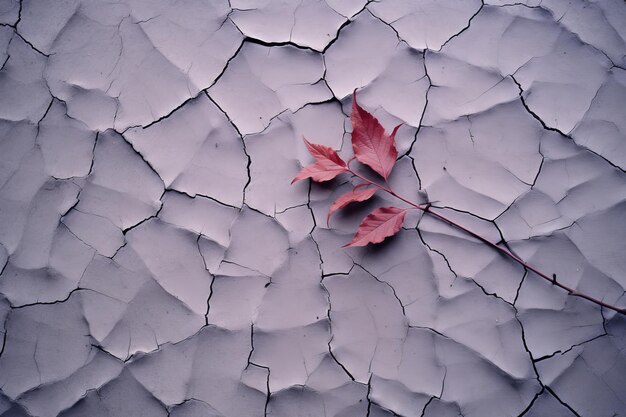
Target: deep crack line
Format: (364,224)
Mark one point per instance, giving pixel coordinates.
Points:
(211,292)
(469,23)
(553,129)
(243,143)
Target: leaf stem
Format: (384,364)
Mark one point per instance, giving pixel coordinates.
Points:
(552,279)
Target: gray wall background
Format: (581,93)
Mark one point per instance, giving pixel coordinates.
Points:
(155,260)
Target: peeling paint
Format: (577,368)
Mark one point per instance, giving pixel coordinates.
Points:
(155,260)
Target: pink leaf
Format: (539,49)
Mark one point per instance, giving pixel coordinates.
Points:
(319,172)
(378,225)
(358,194)
(372,145)
(324,153)
(327,164)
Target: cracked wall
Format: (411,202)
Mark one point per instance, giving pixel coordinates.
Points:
(155,260)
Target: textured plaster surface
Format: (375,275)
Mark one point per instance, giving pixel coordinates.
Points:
(155,261)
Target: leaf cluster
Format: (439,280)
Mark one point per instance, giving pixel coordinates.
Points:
(373,147)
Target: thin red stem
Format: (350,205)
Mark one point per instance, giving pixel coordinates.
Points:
(504,251)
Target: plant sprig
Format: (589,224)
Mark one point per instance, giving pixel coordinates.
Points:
(376,148)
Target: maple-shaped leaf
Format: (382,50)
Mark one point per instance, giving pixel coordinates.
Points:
(378,225)
(328,164)
(372,145)
(357,194)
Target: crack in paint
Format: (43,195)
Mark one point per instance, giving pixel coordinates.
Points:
(66,300)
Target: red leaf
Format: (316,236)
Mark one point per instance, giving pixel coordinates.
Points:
(358,194)
(319,172)
(378,225)
(327,164)
(324,153)
(372,145)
